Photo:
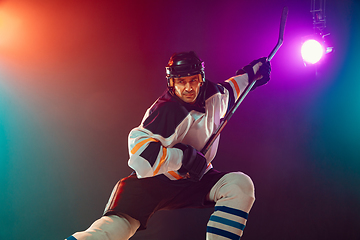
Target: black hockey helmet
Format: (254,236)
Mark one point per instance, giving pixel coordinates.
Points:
(184,64)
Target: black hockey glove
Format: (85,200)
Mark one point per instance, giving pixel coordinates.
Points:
(193,163)
(263,71)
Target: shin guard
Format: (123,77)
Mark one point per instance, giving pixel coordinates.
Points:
(234,197)
(109,228)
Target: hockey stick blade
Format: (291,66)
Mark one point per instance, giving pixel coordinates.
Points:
(281,33)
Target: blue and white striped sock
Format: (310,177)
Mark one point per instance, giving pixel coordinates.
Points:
(71,238)
(226,222)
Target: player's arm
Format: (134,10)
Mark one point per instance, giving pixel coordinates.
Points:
(151,144)
(258,70)
(150,155)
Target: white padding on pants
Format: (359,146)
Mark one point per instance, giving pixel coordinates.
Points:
(234,191)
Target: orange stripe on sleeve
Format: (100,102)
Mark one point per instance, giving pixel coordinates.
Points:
(162,160)
(236,87)
(140,144)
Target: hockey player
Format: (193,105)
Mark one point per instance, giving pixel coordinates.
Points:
(169,171)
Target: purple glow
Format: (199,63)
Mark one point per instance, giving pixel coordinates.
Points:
(312,51)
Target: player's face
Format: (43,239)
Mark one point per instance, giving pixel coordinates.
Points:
(187,88)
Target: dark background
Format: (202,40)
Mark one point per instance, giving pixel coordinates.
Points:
(77,76)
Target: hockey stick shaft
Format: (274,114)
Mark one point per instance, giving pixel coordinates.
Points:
(242,96)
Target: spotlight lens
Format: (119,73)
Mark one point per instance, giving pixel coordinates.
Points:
(311,51)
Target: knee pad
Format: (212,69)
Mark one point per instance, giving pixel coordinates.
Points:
(238,183)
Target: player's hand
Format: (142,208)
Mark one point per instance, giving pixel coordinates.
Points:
(258,70)
(193,163)
(262,75)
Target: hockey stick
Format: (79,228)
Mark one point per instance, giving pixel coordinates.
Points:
(281,33)
(227,117)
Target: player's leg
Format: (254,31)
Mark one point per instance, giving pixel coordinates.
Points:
(111,227)
(234,197)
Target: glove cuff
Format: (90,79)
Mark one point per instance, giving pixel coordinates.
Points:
(180,146)
(250,71)
(188,157)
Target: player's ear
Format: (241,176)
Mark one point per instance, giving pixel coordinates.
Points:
(171,82)
(201,79)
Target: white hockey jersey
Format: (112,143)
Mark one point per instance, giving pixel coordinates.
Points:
(170,121)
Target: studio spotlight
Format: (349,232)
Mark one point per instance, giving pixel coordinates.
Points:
(312,51)
(314,47)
